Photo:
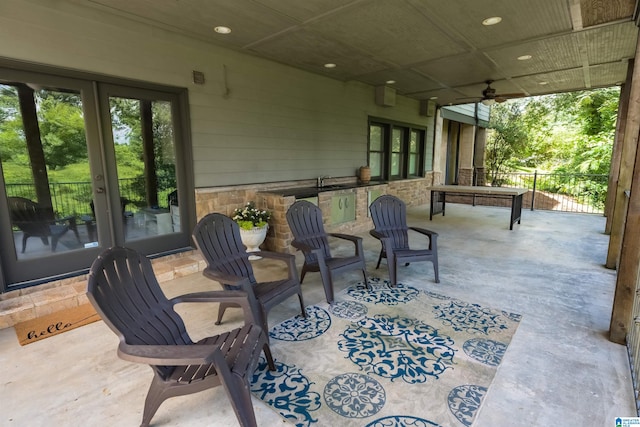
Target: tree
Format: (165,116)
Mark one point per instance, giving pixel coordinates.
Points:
(506,141)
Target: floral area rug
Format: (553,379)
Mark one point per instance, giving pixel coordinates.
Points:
(385,357)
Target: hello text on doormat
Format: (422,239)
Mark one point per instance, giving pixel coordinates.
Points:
(55,323)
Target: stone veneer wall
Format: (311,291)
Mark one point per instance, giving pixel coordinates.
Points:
(29,303)
(465,176)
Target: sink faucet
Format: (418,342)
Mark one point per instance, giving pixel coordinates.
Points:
(320,181)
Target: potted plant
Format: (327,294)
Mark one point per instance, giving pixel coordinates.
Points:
(253,224)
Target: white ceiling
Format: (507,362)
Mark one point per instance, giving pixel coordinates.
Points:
(431,48)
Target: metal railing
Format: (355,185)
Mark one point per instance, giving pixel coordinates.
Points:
(74,198)
(583,193)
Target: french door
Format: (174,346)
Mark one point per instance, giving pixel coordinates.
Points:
(84,166)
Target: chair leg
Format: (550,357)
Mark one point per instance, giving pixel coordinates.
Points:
(391,264)
(239,394)
(303,273)
(154,399)
(366,281)
(379,258)
(221,309)
(327,283)
(302,310)
(269,357)
(24,241)
(435,267)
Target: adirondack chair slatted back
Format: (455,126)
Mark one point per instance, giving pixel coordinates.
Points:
(305,222)
(389,215)
(36,220)
(29,216)
(124,290)
(219,236)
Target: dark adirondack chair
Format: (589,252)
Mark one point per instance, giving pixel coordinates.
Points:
(124,291)
(305,222)
(218,239)
(34,220)
(389,215)
(90,220)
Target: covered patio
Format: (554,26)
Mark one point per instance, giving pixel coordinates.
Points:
(560,364)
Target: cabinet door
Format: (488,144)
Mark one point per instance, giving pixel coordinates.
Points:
(337,213)
(349,207)
(343,208)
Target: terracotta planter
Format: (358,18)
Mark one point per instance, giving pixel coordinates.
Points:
(365,174)
(253,238)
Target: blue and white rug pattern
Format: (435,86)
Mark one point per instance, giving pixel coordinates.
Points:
(383,357)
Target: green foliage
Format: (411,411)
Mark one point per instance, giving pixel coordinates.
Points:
(506,141)
(568,133)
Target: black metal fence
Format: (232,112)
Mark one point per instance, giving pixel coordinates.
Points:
(74,198)
(583,193)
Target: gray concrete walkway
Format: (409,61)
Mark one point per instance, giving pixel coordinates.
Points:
(560,367)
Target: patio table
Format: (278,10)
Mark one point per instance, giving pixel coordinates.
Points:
(514,194)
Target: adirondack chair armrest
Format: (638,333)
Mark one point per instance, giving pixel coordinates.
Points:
(433,236)
(169,355)
(356,240)
(377,234)
(224,278)
(288,259)
(424,231)
(349,237)
(232,297)
(302,246)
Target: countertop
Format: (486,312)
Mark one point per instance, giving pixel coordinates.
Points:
(304,192)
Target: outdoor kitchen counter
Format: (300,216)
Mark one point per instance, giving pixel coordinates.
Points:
(306,192)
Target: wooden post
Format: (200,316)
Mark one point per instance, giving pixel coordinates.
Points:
(626,218)
(616,155)
(627,159)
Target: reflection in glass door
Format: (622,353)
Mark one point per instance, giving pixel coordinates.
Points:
(143,138)
(45,168)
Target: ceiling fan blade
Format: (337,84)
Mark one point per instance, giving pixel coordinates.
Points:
(510,95)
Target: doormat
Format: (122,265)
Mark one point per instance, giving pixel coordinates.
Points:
(384,356)
(55,323)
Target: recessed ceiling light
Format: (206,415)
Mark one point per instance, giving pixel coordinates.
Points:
(390,82)
(543,83)
(220,29)
(433,97)
(492,20)
(329,65)
(524,57)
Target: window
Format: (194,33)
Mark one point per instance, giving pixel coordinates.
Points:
(396,150)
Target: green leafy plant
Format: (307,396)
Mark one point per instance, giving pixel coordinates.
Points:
(249,216)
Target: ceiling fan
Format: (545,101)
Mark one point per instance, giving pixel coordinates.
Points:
(489,95)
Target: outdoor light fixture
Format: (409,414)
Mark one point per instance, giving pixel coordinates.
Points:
(488,102)
(330,65)
(524,57)
(492,20)
(220,29)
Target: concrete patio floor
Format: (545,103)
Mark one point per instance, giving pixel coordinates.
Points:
(560,367)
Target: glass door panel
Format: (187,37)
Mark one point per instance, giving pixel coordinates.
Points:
(48,155)
(142,132)
(144,147)
(45,169)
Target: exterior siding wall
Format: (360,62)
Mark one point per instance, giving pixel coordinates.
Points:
(266,123)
